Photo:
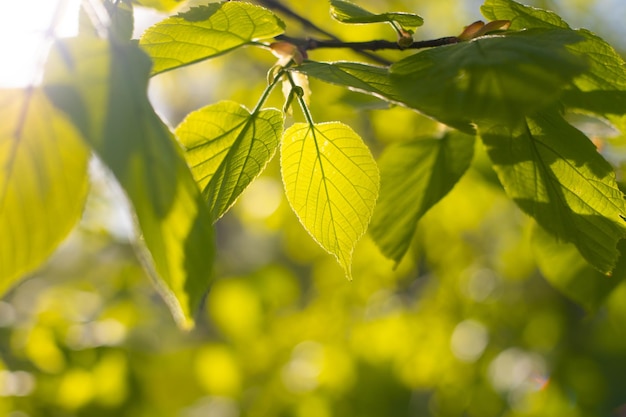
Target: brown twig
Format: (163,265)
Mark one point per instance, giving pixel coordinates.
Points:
(278,6)
(309,44)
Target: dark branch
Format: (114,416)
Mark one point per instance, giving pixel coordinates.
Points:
(278,6)
(309,44)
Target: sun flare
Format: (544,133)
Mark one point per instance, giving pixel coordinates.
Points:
(25,26)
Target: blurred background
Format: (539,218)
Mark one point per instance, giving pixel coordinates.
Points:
(466,325)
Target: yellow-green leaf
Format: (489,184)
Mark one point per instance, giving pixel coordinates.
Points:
(103,86)
(331,181)
(227,148)
(207,31)
(347,12)
(43,181)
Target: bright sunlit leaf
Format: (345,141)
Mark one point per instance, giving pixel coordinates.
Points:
(227,148)
(207,31)
(331,181)
(43,181)
(553,172)
(102,85)
(347,12)
(415,175)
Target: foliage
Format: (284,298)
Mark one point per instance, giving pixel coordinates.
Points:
(473,126)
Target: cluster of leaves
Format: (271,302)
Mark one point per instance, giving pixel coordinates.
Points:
(510,88)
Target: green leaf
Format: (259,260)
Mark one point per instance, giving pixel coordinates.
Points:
(207,31)
(602,87)
(491,78)
(43,181)
(415,175)
(227,148)
(347,12)
(103,86)
(331,181)
(561,264)
(521,16)
(554,174)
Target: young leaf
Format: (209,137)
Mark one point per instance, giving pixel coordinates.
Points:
(553,172)
(207,31)
(103,86)
(347,12)
(331,181)
(561,264)
(414,177)
(43,181)
(227,147)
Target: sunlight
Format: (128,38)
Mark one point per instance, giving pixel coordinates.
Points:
(24,26)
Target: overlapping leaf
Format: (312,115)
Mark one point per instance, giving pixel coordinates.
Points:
(602,87)
(207,31)
(227,147)
(492,78)
(331,181)
(561,264)
(43,181)
(102,85)
(415,176)
(554,174)
(347,12)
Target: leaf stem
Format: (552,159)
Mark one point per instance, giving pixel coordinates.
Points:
(303,105)
(269,88)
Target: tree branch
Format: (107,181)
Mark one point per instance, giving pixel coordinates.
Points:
(309,44)
(278,6)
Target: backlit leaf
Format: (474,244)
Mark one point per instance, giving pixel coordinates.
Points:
(331,181)
(553,172)
(347,12)
(43,181)
(561,264)
(227,147)
(103,87)
(415,175)
(207,31)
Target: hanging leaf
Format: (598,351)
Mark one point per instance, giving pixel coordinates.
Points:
(331,181)
(415,175)
(43,181)
(553,172)
(561,264)
(227,148)
(103,86)
(207,31)
(347,12)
